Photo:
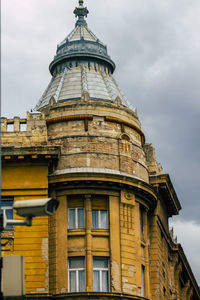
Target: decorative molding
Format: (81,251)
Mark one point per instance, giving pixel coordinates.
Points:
(116,120)
(69,118)
(127,197)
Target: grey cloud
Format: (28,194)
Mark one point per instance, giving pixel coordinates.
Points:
(187,233)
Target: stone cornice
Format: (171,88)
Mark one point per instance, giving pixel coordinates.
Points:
(167,191)
(33,152)
(88,296)
(98,178)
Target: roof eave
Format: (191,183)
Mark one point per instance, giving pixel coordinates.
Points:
(81,55)
(166,189)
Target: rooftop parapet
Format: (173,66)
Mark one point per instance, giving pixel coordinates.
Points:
(24,131)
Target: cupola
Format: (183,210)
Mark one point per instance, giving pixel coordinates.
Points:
(81,65)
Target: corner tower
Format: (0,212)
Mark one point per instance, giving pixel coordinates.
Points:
(109,237)
(101,178)
(86,112)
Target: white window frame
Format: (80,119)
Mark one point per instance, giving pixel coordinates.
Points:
(77,273)
(76,217)
(99,219)
(5,208)
(100,273)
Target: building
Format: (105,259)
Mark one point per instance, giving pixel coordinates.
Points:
(84,146)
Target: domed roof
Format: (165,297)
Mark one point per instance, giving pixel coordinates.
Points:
(81,43)
(81,64)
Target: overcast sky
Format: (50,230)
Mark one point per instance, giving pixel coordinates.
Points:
(156,47)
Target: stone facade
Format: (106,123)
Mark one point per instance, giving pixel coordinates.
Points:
(90,154)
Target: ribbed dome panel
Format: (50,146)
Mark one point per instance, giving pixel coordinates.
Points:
(71,84)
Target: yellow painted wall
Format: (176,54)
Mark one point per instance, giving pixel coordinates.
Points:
(23,181)
(121,242)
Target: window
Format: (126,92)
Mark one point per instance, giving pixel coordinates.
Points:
(100,274)
(143,281)
(7,206)
(141,223)
(23,127)
(76,218)
(100,219)
(100,212)
(76,274)
(10,127)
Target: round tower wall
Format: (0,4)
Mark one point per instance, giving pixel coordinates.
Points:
(92,135)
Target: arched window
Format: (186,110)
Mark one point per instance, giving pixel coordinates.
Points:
(125,137)
(125,144)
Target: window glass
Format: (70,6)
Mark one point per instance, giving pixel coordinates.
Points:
(141,223)
(9,214)
(77,274)
(76,218)
(104,281)
(7,206)
(81,275)
(95,218)
(96,281)
(100,263)
(143,281)
(104,219)
(100,274)
(76,263)
(80,218)
(72,281)
(100,219)
(71,218)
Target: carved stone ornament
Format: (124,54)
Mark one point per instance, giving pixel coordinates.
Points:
(127,197)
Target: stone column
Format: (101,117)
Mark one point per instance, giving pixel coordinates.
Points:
(115,258)
(146,275)
(3,124)
(88,242)
(16,124)
(58,254)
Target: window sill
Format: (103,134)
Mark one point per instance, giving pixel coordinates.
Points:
(72,232)
(100,232)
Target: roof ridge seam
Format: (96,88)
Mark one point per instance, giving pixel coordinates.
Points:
(124,99)
(94,36)
(70,35)
(81,32)
(60,85)
(84,80)
(108,86)
(39,104)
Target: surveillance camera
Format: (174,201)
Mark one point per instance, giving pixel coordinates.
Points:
(35,208)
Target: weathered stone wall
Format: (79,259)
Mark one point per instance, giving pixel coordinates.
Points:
(96,136)
(31,131)
(153,167)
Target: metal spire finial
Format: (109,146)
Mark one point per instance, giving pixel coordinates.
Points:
(81,12)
